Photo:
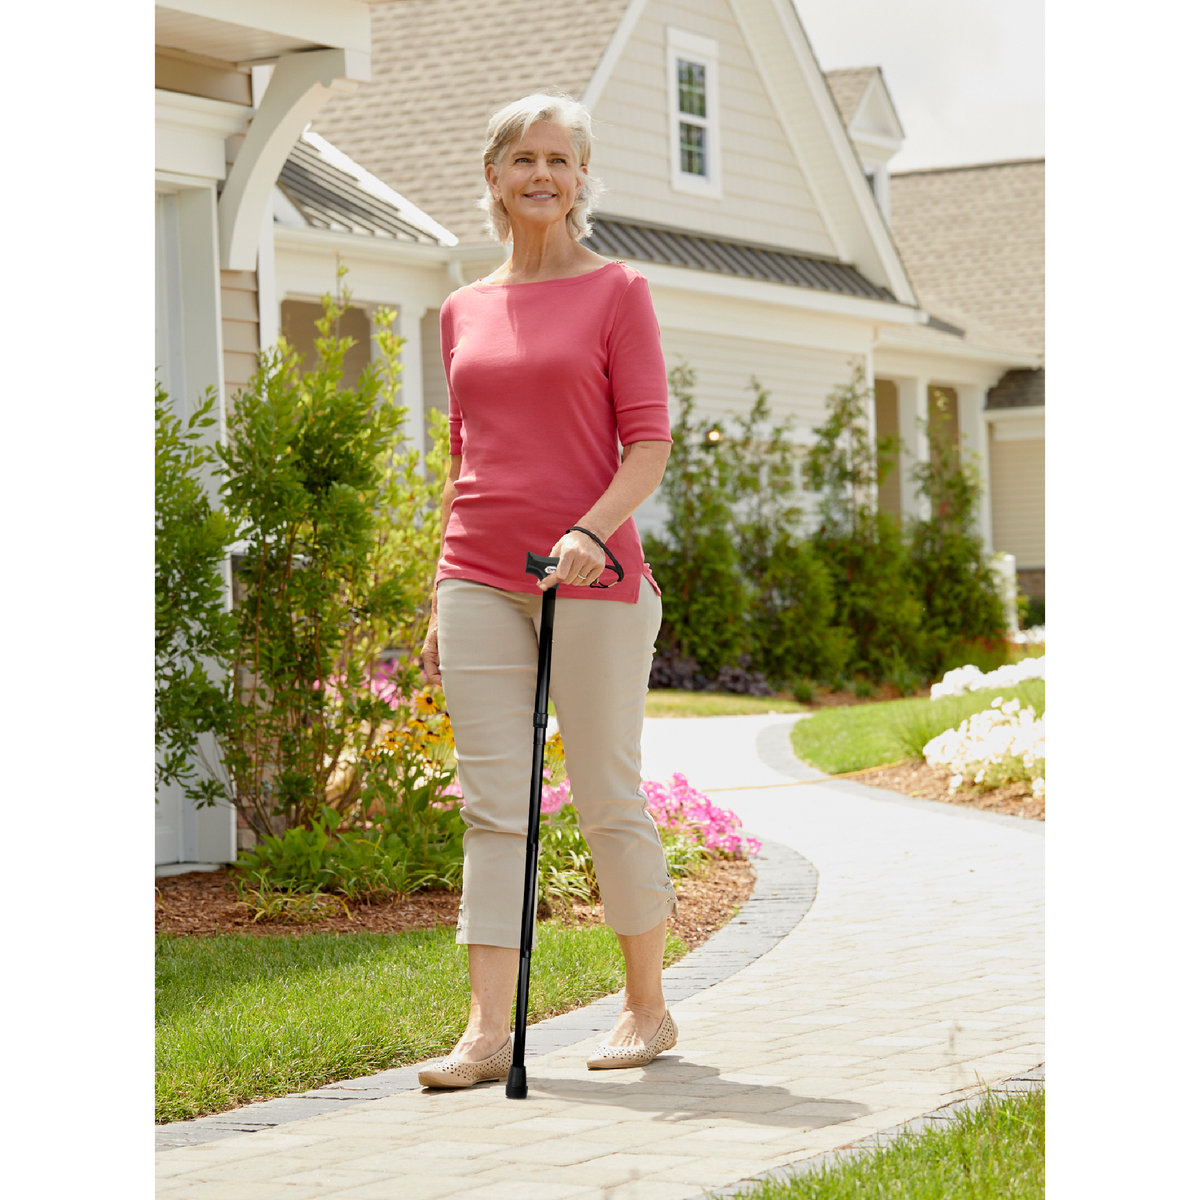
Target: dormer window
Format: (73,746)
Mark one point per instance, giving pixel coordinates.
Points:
(692,85)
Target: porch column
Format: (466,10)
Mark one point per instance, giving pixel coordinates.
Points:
(912,397)
(872,423)
(973,434)
(412,380)
(204,834)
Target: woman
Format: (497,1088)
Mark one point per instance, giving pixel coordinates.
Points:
(550,361)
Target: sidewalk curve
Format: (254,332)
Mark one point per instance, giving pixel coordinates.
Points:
(915,978)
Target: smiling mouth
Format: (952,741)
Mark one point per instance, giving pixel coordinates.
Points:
(540,195)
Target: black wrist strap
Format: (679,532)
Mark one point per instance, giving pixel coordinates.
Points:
(612,561)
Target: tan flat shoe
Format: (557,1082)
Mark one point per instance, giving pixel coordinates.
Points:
(605,1058)
(455,1073)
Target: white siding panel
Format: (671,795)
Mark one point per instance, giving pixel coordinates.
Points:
(1017,471)
(798,378)
(765,196)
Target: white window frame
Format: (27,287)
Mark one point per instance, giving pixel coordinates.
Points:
(691,47)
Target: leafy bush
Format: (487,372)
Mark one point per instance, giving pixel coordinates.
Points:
(193,630)
(404,834)
(861,547)
(366,868)
(704,597)
(341,531)
(963,608)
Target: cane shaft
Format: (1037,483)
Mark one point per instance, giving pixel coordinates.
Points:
(541,704)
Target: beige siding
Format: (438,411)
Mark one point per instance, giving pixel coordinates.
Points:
(887,424)
(239,328)
(764,194)
(298,319)
(1018,484)
(432,374)
(798,378)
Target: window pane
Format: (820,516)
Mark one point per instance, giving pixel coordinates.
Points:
(692,149)
(691,88)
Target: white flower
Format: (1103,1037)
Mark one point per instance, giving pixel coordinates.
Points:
(971,679)
(1002,744)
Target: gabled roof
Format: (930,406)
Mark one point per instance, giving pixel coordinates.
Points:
(439,69)
(847,85)
(973,239)
(324,189)
(679,248)
(866,108)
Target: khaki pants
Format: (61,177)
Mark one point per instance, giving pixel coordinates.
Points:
(487,642)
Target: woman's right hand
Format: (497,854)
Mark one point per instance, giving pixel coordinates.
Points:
(430,659)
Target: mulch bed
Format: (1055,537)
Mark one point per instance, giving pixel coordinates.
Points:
(203,903)
(919,779)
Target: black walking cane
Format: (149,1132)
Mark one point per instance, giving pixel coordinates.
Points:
(516,1088)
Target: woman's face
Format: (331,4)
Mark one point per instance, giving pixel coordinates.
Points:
(537,177)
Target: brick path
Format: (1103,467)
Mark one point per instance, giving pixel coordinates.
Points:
(915,977)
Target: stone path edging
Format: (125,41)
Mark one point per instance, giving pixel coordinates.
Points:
(784,891)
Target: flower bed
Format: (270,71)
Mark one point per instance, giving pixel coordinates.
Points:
(1002,744)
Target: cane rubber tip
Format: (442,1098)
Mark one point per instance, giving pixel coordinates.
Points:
(516,1088)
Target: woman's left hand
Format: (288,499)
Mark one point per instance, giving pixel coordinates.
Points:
(580,562)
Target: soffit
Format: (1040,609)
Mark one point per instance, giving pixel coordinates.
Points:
(221,39)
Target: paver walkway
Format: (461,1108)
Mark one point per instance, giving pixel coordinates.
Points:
(915,977)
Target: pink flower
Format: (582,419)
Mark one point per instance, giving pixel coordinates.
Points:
(553,798)
(683,809)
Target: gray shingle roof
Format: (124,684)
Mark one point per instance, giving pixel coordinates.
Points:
(439,69)
(329,194)
(974,238)
(1019,389)
(678,248)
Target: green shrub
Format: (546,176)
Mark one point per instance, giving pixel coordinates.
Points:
(958,591)
(703,594)
(194,633)
(341,531)
(862,548)
(365,867)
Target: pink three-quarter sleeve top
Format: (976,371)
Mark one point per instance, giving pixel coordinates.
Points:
(547,381)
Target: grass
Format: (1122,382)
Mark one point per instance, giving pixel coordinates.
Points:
(242,1018)
(868,735)
(994,1152)
(665,702)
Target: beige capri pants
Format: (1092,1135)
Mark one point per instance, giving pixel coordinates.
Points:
(487,645)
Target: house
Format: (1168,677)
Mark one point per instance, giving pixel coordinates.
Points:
(754,195)
(973,240)
(752,191)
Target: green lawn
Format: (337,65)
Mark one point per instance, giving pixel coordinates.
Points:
(996,1152)
(241,1018)
(868,735)
(664,702)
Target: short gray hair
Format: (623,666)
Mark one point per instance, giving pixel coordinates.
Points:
(511,123)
